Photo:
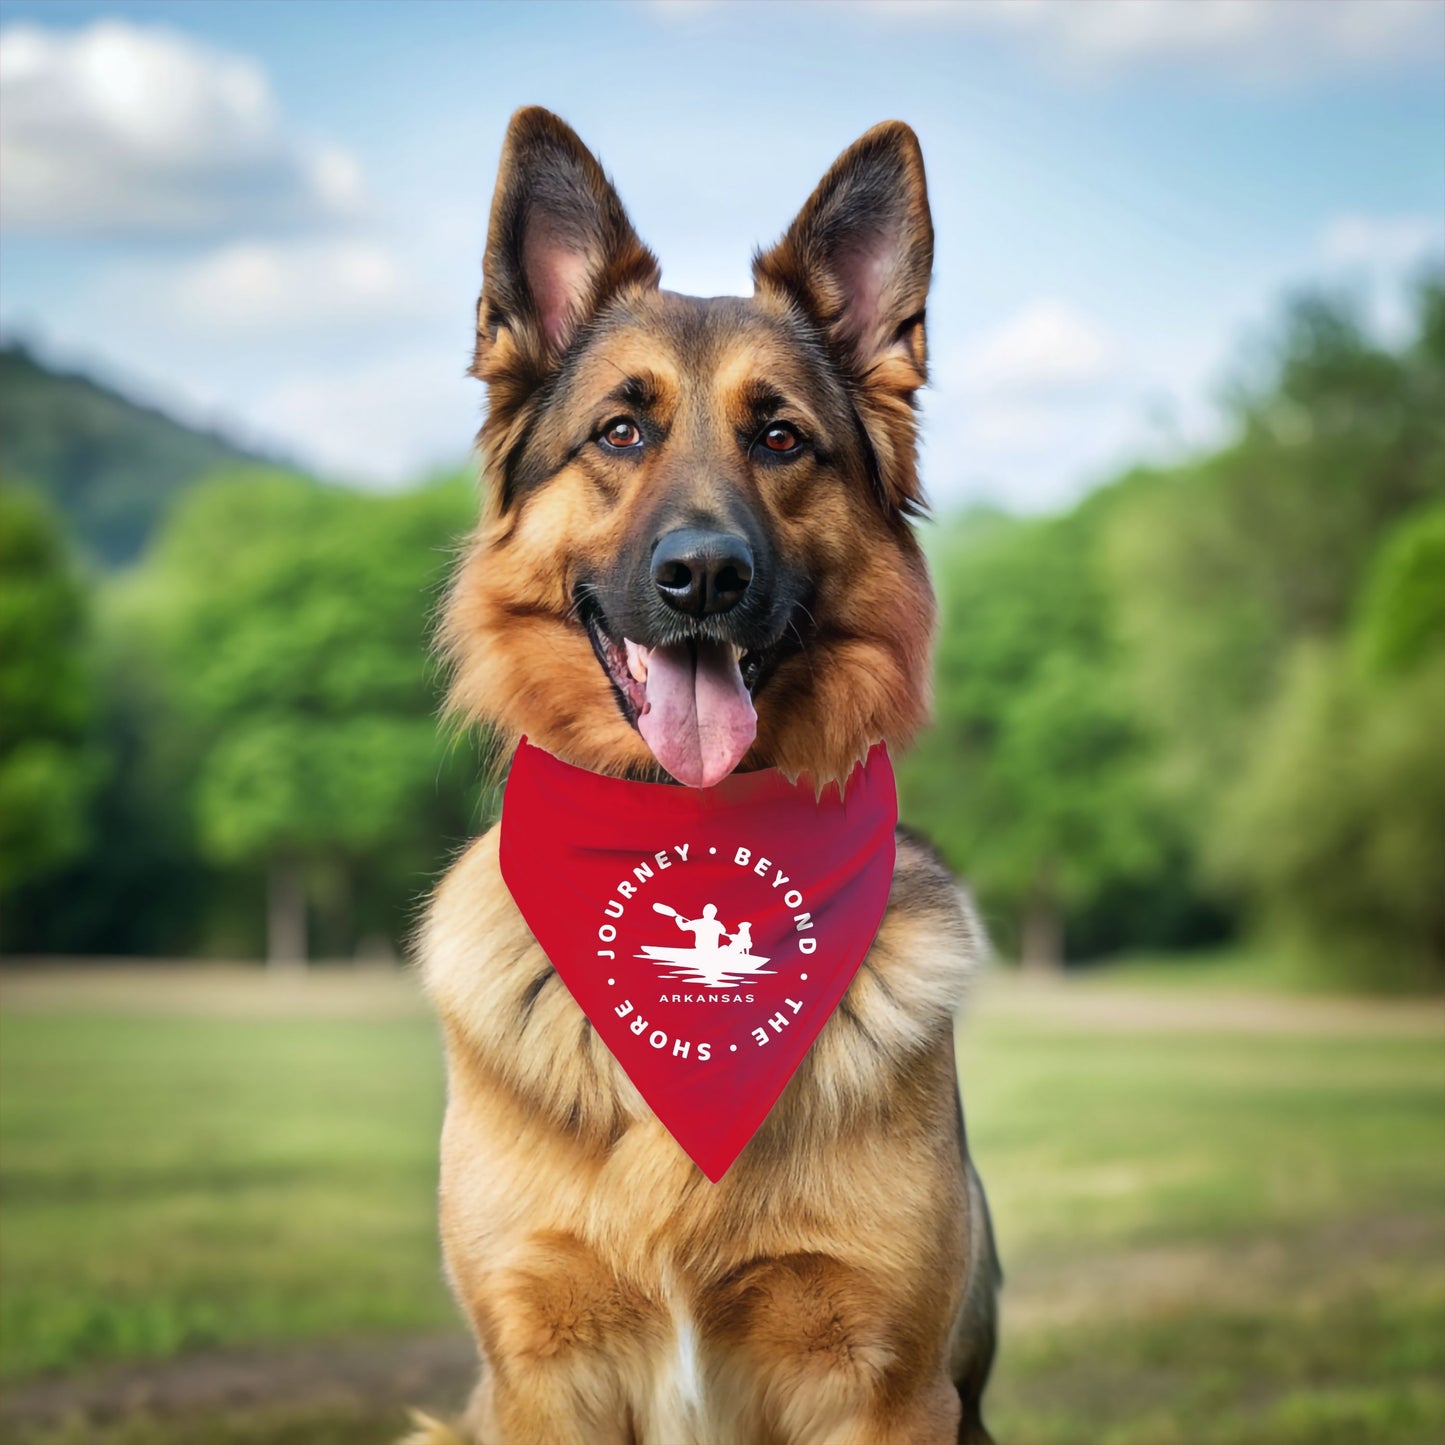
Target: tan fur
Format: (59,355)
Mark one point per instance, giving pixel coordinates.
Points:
(821,1287)
(428,1430)
(836,1286)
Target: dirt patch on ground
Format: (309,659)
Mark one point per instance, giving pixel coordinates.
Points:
(229,990)
(1305,1266)
(372,1379)
(1087,1005)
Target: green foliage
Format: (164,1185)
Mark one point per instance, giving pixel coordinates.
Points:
(289,621)
(1199,705)
(49,761)
(1224,566)
(1280,605)
(1033,780)
(287,786)
(1402,616)
(110,466)
(1333,834)
(1207,690)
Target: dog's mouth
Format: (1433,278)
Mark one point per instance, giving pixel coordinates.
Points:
(691,699)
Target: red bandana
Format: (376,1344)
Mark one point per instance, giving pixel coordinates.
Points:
(707,933)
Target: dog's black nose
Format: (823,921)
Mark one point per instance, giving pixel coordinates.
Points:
(700,572)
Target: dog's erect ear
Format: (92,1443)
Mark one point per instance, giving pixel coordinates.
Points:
(858,259)
(558,246)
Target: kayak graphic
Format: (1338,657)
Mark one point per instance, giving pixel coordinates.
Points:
(708,961)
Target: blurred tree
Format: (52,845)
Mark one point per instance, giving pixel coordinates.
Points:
(1224,565)
(1334,834)
(1033,779)
(1401,619)
(50,761)
(1226,673)
(1281,607)
(291,622)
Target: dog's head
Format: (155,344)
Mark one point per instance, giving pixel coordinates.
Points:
(695,551)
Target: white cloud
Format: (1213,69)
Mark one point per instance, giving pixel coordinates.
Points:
(278,288)
(1256,40)
(1028,412)
(1381,242)
(380,424)
(1048,347)
(1029,454)
(118,127)
(1379,257)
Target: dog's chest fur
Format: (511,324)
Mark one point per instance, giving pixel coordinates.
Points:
(572,1221)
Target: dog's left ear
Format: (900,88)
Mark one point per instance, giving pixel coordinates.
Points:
(858,259)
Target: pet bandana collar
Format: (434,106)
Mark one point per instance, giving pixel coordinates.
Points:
(707,933)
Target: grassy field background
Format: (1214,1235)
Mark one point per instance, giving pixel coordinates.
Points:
(1221,1210)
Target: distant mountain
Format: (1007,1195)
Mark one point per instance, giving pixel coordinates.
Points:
(109,464)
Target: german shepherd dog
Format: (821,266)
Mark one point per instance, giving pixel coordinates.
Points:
(723,485)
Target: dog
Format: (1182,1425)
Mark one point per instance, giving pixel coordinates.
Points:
(839,1283)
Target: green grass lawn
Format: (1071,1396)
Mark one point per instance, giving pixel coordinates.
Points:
(1222,1217)
(178,1182)
(1214,1233)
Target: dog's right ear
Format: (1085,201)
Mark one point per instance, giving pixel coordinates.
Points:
(558,246)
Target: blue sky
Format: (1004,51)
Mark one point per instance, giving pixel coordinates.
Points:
(273,213)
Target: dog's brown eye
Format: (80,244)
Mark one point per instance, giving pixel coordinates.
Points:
(780,439)
(621,434)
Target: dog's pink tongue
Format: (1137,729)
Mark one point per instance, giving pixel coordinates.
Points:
(699,719)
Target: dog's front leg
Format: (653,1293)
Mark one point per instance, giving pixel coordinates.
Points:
(530,1406)
(565,1343)
(826,1356)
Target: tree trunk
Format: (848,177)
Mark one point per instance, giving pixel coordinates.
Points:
(1041,945)
(285,916)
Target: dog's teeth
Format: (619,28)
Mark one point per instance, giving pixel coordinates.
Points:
(738,652)
(637,659)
